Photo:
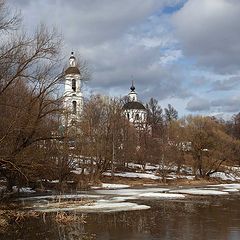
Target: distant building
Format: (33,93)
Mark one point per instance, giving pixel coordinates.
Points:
(134,111)
(73,97)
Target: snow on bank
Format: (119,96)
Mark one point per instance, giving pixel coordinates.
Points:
(195,191)
(149,175)
(225,176)
(111,186)
(134,175)
(139,166)
(23,189)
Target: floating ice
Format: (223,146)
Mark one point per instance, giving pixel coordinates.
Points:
(59,197)
(162,195)
(122,199)
(130,192)
(112,186)
(99,206)
(230,185)
(230,190)
(195,191)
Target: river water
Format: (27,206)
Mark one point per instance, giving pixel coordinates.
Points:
(197,218)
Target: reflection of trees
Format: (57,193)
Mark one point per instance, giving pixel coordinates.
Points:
(165,220)
(72,232)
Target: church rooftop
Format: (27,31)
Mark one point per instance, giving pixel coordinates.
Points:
(133,105)
(72,70)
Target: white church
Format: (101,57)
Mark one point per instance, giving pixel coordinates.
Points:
(134,111)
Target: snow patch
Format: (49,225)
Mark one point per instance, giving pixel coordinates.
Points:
(134,175)
(23,189)
(224,176)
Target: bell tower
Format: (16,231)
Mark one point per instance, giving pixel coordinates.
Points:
(73,97)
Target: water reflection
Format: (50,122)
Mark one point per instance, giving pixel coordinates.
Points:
(207,218)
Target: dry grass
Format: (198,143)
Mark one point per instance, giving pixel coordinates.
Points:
(9,216)
(3,221)
(176,182)
(64,218)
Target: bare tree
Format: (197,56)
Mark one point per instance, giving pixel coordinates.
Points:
(8,20)
(211,146)
(170,113)
(27,97)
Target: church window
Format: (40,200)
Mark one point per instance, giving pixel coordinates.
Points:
(128,116)
(74,85)
(74,105)
(137,117)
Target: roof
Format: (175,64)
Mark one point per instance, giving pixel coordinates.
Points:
(133,105)
(72,70)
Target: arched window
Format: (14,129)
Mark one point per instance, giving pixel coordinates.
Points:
(74,85)
(74,106)
(137,117)
(128,116)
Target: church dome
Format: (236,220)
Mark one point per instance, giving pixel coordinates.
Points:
(72,70)
(133,105)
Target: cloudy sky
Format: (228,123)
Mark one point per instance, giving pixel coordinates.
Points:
(183,52)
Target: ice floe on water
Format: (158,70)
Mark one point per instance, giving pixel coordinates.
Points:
(123,199)
(198,191)
(162,195)
(98,206)
(227,185)
(130,192)
(111,186)
(61,197)
(230,190)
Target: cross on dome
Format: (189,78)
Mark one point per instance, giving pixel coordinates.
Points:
(132,88)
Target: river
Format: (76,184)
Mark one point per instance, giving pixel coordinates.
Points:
(195,218)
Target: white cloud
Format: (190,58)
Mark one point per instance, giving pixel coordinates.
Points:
(209,32)
(198,104)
